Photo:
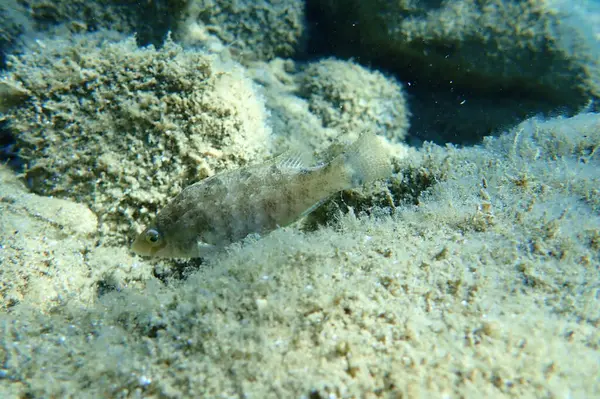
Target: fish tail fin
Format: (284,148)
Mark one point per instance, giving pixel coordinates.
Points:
(363,161)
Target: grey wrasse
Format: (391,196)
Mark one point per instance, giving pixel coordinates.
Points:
(225,208)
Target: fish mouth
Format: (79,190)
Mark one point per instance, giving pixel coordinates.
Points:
(141,248)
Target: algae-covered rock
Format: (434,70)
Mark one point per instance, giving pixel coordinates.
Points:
(122,129)
(475,66)
(149,20)
(352,98)
(13,24)
(50,255)
(255,30)
(295,127)
(91,15)
(43,242)
(11,95)
(329,102)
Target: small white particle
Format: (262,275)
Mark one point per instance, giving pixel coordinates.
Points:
(144,381)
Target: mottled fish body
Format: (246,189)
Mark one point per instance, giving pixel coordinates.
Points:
(227,207)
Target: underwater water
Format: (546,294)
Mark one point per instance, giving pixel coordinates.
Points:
(453,252)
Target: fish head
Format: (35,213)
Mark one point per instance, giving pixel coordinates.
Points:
(151,242)
(181,228)
(155,243)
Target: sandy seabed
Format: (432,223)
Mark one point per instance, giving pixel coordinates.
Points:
(489,287)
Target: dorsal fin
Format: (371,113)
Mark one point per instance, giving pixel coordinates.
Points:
(290,161)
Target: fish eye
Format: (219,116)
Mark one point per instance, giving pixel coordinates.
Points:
(152,236)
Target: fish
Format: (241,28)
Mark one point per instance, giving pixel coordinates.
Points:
(227,207)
